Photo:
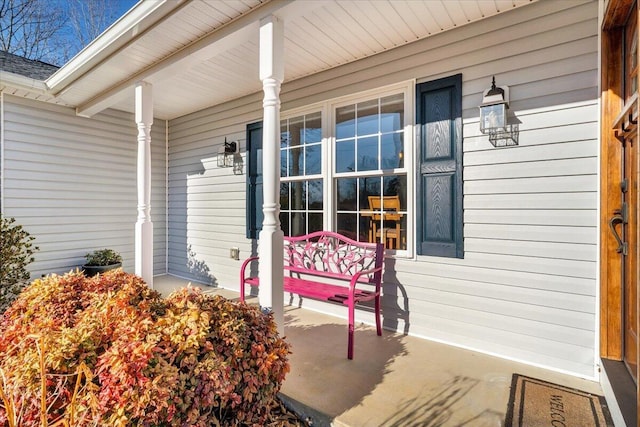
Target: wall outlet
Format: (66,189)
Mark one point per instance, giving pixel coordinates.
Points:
(234,253)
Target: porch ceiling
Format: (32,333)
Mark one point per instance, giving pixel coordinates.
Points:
(202,53)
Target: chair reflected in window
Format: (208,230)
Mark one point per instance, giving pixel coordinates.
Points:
(386,222)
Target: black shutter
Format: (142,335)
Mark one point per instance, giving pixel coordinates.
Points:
(439,182)
(254,180)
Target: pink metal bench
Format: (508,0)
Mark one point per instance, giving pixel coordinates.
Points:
(331,267)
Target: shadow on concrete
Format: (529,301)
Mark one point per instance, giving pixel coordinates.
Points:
(321,376)
(435,411)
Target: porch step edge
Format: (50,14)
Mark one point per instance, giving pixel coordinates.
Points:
(311,416)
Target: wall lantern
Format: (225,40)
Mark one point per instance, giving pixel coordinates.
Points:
(493,116)
(226,154)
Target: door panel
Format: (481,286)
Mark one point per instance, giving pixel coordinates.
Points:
(628,135)
(629,252)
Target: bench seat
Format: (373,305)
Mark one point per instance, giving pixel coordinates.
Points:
(318,290)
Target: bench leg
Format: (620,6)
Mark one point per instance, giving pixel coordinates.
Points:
(378,324)
(242,291)
(351,328)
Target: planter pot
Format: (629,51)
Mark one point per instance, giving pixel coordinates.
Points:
(92,270)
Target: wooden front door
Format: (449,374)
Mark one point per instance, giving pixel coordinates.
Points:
(626,216)
(619,186)
(623,225)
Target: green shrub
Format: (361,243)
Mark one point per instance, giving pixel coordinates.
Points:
(16,253)
(190,359)
(102,257)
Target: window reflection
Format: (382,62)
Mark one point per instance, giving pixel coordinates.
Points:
(370,135)
(301,209)
(375,207)
(346,193)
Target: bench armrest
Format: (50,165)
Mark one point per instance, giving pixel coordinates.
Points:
(243,269)
(355,279)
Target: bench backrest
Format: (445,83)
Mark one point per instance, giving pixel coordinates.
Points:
(334,255)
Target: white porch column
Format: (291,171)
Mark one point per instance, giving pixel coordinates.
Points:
(144,226)
(270,247)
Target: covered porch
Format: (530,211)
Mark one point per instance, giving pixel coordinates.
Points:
(188,77)
(393,380)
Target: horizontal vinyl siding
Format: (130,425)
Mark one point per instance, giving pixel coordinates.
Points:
(526,288)
(71,182)
(207,203)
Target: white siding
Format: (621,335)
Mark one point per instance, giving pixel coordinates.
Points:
(207,203)
(526,288)
(71,182)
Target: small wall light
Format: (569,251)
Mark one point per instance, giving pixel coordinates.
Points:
(493,116)
(226,154)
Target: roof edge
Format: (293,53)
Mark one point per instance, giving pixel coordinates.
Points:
(18,81)
(130,26)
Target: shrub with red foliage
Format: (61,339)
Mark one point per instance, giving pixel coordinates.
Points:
(190,359)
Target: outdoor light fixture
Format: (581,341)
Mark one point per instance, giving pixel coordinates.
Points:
(226,154)
(493,116)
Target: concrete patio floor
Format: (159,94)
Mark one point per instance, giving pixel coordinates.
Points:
(394,380)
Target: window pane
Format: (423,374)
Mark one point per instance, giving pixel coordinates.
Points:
(313,128)
(365,233)
(392,113)
(390,228)
(284,134)
(347,225)
(284,154)
(345,122)
(315,194)
(368,153)
(367,118)
(346,193)
(298,223)
(382,214)
(284,195)
(295,161)
(396,185)
(392,151)
(298,195)
(312,159)
(387,223)
(315,222)
(296,130)
(345,156)
(369,187)
(284,223)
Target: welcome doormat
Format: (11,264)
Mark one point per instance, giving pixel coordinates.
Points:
(534,403)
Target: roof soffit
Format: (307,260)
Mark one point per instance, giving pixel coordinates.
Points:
(206,55)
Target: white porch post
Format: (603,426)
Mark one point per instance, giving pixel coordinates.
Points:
(144,226)
(270,247)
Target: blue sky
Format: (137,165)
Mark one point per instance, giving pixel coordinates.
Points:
(119,8)
(125,5)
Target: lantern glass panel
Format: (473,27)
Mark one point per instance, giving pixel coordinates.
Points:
(493,117)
